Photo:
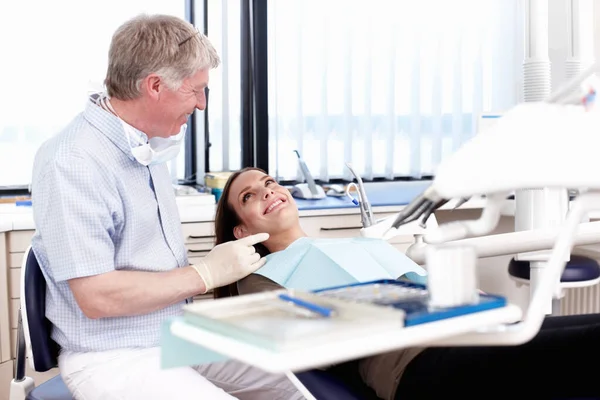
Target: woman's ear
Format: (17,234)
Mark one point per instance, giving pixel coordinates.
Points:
(240,232)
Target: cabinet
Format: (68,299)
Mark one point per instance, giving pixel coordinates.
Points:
(347,225)
(5,326)
(6,375)
(17,244)
(199,239)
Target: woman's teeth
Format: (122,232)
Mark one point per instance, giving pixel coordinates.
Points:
(272,206)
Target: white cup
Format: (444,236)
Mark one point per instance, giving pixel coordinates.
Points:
(451,276)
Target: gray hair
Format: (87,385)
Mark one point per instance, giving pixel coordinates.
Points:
(161,44)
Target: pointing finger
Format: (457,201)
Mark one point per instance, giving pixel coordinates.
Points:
(253,239)
(258,264)
(253,258)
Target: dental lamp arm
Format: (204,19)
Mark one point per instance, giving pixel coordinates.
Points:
(510,243)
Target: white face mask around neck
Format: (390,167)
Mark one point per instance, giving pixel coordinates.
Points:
(158,149)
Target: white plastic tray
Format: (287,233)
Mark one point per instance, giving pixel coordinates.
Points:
(335,351)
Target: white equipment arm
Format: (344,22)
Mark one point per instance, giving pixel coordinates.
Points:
(534,145)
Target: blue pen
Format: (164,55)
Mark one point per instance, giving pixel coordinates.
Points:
(324,311)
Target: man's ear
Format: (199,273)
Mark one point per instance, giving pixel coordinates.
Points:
(152,85)
(240,232)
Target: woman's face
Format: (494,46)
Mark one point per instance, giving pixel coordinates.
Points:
(261,204)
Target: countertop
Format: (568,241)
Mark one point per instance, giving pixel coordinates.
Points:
(380,194)
(383,196)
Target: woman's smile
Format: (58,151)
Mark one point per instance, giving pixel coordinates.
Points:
(277,204)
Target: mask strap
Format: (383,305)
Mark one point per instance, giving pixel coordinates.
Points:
(101,101)
(105,104)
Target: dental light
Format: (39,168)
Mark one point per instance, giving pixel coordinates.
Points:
(551,144)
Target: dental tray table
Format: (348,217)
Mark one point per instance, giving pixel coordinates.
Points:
(410,297)
(285,319)
(286,330)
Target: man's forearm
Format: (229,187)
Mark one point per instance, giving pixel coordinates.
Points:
(122,293)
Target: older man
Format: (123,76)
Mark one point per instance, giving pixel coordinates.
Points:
(108,231)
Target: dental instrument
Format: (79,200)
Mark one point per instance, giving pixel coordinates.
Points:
(308,190)
(383,228)
(354,201)
(310,306)
(366,212)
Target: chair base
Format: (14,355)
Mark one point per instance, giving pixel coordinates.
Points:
(19,390)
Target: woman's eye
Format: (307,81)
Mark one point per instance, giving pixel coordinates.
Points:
(246,197)
(269,181)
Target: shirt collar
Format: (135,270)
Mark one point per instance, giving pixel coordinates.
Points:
(111,126)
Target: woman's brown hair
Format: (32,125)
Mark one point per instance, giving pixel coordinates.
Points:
(225,220)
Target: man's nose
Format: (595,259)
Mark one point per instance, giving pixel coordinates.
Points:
(201,104)
(201,101)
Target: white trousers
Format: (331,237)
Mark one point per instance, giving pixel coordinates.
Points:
(131,374)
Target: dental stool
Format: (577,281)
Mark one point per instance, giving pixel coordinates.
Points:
(33,340)
(580,271)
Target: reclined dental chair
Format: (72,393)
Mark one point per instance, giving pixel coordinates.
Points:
(33,341)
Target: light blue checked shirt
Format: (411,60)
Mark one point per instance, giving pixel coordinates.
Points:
(96,210)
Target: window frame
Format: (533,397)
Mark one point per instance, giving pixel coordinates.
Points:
(254,133)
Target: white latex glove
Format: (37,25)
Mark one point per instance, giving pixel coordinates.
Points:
(229,262)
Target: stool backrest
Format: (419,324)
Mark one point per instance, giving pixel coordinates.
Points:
(42,351)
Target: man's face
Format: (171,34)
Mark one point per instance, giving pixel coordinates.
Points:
(174,107)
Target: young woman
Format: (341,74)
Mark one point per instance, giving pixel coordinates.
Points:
(555,364)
